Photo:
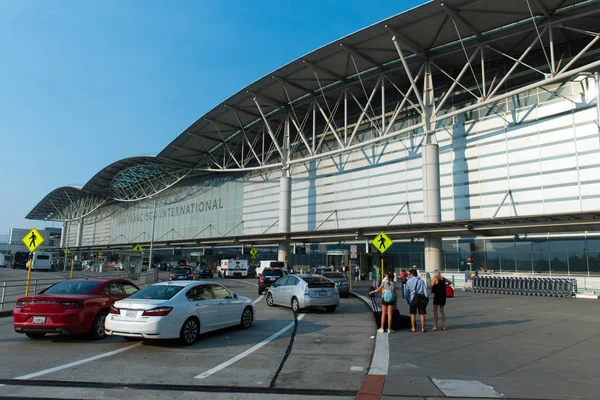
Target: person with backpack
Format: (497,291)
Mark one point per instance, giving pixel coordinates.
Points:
(388,301)
(415,292)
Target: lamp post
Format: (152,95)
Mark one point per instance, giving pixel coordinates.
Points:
(152,236)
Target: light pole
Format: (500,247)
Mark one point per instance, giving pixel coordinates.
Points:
(152,236)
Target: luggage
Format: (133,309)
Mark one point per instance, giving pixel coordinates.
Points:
(449,292)
(398,321)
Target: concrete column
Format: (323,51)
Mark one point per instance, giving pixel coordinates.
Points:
(79,233)
(63,234)
(285,196)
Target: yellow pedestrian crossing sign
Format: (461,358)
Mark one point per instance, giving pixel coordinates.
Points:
(137,247)
(32,240)
(253,252)
(382,242)
(100,254)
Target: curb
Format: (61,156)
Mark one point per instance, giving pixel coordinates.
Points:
(371,387)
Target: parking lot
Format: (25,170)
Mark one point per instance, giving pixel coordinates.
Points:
(328,357)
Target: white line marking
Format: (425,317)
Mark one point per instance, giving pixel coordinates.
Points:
(249,351)
(249,283)
(76,363)
(356,368)
(381,355)
(262,296)
(460,388)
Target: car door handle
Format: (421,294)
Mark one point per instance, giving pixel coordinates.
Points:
(198,305)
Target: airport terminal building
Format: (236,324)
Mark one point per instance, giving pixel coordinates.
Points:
(468,128)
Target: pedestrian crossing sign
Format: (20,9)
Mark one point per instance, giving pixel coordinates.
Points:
(33,240)
(137,247)
(253,252)
(382,242)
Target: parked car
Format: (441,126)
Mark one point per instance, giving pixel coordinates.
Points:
(70,306)
(181,274)
(321,270)
(267,278)
(341,282)
(182,310)
(304,291)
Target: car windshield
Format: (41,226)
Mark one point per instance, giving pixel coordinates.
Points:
(314,279)
(182,271)
(157,292)
(334,275)
(72,287)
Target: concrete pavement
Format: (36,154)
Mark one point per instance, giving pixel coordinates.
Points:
(499,346)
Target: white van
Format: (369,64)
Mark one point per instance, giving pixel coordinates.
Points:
(42,261)
(233,268)
(3,262)
(269,264)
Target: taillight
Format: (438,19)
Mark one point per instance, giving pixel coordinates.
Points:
(191,275)
(157,312)
(71,304)
(305,289)
(22,303)
(260,278)
(114,310)
(170,275)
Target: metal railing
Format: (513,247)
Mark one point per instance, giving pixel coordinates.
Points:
(11,290)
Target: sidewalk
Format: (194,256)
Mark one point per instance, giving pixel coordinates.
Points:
(498,346)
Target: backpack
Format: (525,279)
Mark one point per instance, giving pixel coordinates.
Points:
(388,294)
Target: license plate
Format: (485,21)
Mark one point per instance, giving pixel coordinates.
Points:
(271,279)
(130,314)
(39,320)
(322,293)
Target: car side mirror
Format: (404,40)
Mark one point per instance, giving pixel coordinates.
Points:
(235,296)
(274,285)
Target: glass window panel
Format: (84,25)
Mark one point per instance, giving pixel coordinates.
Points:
(594,260)
(578,263)
(499,245)
(593,243)
(492,261)
(540,261)
(450,261)
(507,261)
(523,261)
(558,262)
(567,244)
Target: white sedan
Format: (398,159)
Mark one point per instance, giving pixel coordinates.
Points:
(178,309)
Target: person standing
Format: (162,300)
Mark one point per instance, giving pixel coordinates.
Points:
(388,301)
(356,273)
(417,297)
(376,279)
(438,288)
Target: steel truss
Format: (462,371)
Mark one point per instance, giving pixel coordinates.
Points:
(74,206)
(145,180)
(393,101)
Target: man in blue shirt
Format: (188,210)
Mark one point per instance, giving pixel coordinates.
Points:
(415,292)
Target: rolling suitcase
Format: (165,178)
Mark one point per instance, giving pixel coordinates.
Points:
(398,321)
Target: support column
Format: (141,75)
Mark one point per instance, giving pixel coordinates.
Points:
(79,233)
(431,178)
(63,234)
(285,196)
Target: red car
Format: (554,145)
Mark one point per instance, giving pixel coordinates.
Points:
(70,306)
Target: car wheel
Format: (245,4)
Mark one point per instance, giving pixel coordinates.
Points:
(270,302)
(295,305)
(247,318)
(189,332)
(330,309)
(35,335)
(97,331)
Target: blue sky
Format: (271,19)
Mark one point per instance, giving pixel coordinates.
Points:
(86,83)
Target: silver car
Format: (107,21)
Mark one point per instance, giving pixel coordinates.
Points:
(304,291)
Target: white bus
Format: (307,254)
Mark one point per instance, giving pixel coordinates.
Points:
(42,261)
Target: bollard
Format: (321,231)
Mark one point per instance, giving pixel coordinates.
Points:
(35,286)
(3,293)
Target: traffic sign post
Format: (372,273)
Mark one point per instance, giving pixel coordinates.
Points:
(32,241)
(382,243)
(353,256)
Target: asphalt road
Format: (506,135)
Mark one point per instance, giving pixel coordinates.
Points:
(328,358)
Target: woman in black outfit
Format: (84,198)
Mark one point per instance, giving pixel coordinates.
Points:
(438,288)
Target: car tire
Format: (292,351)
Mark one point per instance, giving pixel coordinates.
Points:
(270,302)
(330,309)
(247,318)
(189,332)
(97,331)
(35,335)
(295,305)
